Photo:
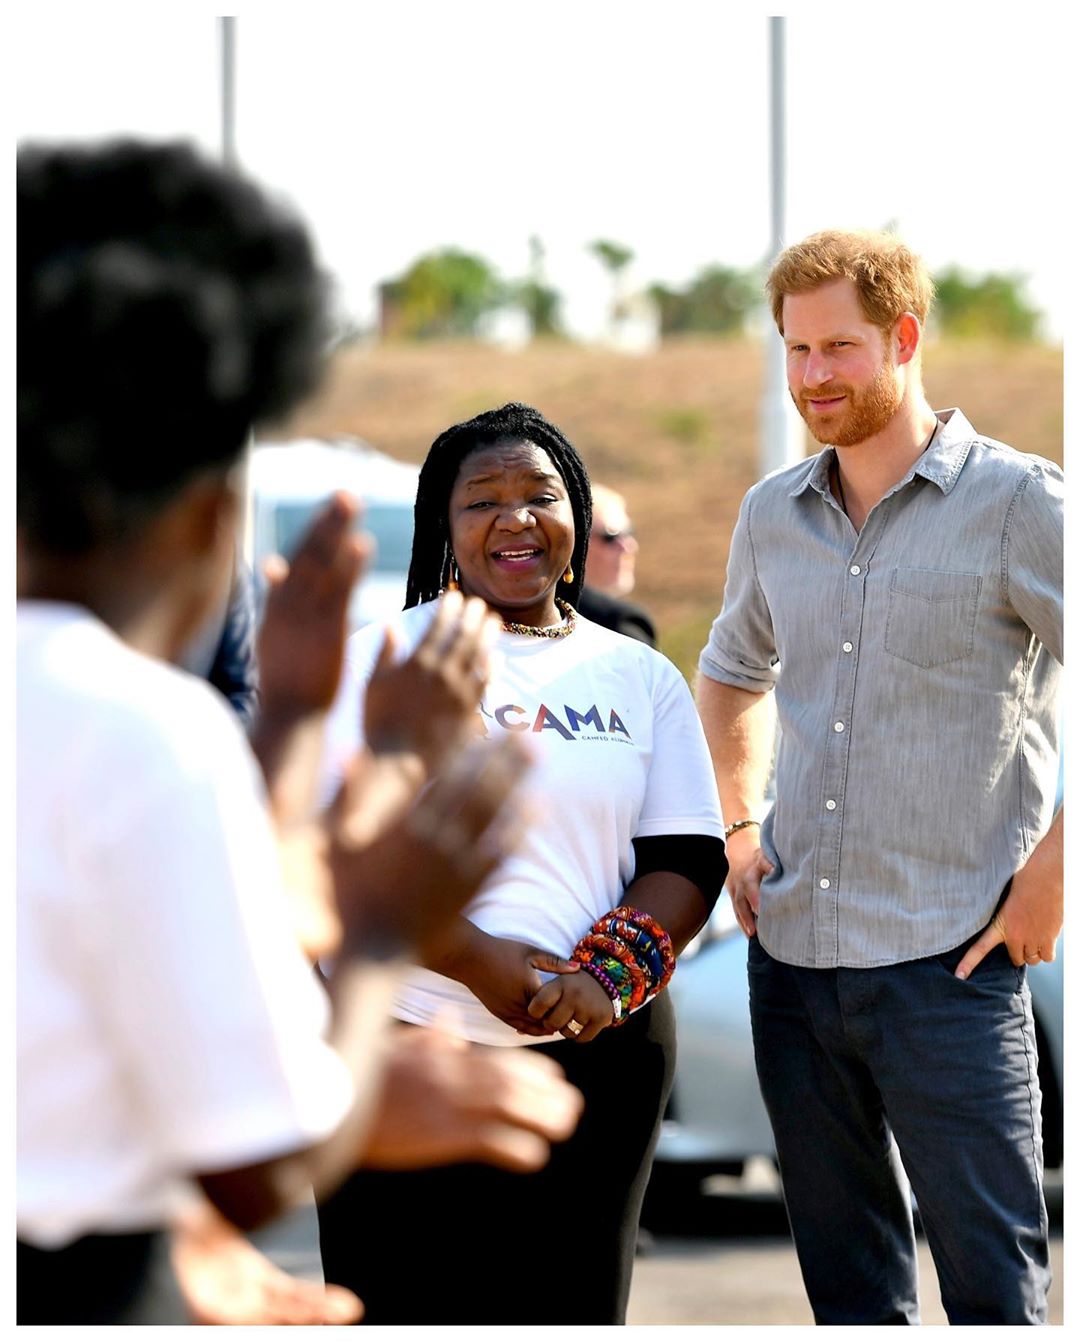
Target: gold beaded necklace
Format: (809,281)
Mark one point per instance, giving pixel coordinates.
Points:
(548,631)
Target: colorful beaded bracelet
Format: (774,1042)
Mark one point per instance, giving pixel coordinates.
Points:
(638,938)
(663,941)
(629,952)
(621,974)
(640,981)
(608,985)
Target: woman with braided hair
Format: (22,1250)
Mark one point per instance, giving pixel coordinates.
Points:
(568,950)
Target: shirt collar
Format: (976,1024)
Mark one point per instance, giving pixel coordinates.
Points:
(941,463)
(944,459)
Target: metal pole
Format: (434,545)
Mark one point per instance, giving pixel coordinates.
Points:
(231,159)
(783,439)
(228,90)
(777,133)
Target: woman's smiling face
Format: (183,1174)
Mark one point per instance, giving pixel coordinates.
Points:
(512,530)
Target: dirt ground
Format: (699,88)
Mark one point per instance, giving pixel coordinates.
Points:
(675,430)
(756,1281)
(739,1267)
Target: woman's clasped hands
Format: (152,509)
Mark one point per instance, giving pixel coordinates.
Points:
(573,1005)
(506,976)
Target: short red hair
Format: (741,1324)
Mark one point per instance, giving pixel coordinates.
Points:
(889,278)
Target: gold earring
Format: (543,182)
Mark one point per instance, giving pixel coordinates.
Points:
(452,585)
(568,576)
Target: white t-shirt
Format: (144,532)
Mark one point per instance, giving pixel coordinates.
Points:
(167,1021)
(620,755)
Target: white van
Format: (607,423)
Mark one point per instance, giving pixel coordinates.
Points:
(289,483)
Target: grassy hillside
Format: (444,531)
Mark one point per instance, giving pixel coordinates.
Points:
(675,431)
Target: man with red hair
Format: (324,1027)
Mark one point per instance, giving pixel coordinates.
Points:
(901,592)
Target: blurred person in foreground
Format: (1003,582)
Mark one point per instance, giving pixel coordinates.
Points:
(569,947)
(902,594)
(170,1032)
(609,566)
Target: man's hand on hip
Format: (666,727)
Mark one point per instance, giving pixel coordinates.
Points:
(1029,921)
(747,864)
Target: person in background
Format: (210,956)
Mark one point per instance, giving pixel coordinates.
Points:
(169,1030)
(609,570)
(567,951)
(901,592)
(224,652)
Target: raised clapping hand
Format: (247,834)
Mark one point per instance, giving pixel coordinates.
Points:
(301,641)
(747,865)
(579,999)
(301,644)
(402,888)
(427,703)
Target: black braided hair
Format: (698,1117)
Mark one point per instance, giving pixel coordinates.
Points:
(430,566)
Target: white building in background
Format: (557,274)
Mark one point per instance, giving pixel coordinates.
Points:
(636,328)
(508,328)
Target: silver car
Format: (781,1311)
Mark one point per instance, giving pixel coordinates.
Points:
(290,482)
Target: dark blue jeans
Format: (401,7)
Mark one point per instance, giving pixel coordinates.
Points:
(850,1058)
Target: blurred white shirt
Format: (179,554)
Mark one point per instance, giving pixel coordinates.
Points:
(167,1020)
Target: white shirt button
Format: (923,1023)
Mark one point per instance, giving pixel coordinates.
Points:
(830,805)
(847,646)
(838,726)
(855,570)
(824,883)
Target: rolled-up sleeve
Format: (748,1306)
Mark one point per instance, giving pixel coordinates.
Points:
(741,650)
(1032,555)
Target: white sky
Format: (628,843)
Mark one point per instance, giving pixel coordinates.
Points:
(411,125)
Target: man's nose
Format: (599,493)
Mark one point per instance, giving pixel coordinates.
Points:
(816,370)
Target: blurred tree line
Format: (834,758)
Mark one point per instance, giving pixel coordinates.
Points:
(987,306)
(718,301)
(451,293)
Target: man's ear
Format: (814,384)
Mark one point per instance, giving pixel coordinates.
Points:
(908,336)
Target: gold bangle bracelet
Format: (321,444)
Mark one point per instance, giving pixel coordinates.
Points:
(729,830)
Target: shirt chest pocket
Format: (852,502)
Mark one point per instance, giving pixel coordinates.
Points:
(931,617)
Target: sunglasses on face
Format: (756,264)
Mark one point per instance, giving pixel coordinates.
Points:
(610,537)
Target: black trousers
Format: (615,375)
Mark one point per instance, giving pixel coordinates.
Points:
(476,1245)
(99,1279)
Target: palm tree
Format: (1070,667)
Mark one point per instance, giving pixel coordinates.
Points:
(615,257)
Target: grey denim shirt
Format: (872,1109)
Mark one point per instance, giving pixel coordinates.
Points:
(916,666)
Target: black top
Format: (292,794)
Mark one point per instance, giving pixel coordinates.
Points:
(234,672)
(614,613)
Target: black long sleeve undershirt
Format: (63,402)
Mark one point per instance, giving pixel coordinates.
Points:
(697,857)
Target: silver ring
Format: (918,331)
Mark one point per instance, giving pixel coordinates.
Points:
(575,1027)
